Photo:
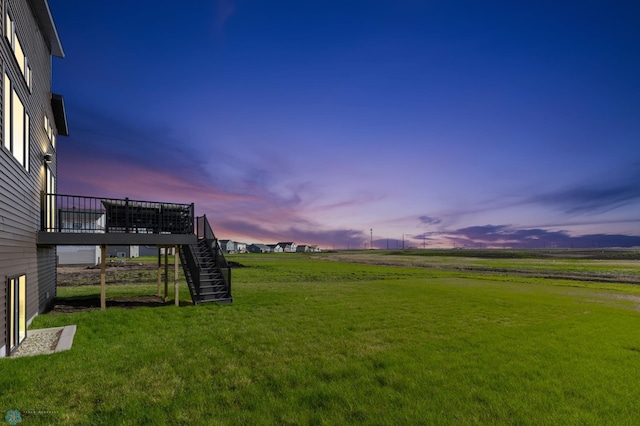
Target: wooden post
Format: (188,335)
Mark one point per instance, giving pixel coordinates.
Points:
(175,275)
(166,273)
(159,272)
(103,277)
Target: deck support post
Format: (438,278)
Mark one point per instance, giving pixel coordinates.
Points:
(175,275)
(103,277)
(159,271)
(166,273)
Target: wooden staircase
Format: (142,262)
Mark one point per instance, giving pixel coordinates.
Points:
(207,273)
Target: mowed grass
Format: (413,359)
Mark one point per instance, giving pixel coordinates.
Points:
(601,268)
(310,341)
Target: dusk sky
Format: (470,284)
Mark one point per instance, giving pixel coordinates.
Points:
(455,123)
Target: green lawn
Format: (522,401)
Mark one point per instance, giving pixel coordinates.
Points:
(607,267)
(311,341)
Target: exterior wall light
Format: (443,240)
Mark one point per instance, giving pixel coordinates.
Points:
(48,158)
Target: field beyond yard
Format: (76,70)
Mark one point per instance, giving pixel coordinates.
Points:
(349,337)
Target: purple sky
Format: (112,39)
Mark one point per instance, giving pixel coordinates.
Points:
(467,123)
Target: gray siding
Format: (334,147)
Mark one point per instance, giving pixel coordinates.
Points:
(19,188)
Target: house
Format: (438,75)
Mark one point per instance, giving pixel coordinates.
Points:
(78,255)
(259,248)
(229,246)
(32,119)
(35,220)
(276,248)
(124,251)
(288,246)
(307,249)
(153,251)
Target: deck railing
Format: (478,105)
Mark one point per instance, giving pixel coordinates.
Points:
(79,214)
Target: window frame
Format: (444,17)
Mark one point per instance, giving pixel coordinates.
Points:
(10,132)
(48,128)
(13,39)
(50,217)
(16,311)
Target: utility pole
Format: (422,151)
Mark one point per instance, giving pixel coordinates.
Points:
(371,245)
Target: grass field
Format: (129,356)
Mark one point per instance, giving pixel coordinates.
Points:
(323,340)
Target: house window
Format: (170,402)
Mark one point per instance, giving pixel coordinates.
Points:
(50,202)
(16,124)
(49,130)
(14,42)
(17,311)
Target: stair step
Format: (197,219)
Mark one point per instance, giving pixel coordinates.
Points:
(222,300)
(210,291)
(212,285)
(211,274)
(213,290)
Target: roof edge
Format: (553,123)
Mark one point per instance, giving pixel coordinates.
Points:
(45,20)
(59,114)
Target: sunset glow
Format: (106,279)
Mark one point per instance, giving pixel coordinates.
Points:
(466,124)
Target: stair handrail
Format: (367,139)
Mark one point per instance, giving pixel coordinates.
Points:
(194,267)
(205,232)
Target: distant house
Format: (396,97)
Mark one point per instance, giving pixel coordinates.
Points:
(288,246)
(307,249)
(79,255)
(229,246)
(259,248)
(153,250)
(276,248)
(124,251)
(241,247)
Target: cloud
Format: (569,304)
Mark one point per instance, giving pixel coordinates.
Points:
(103,142)
(506,236)
(428,220)
(600,196)
(107,157)
(121,157)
